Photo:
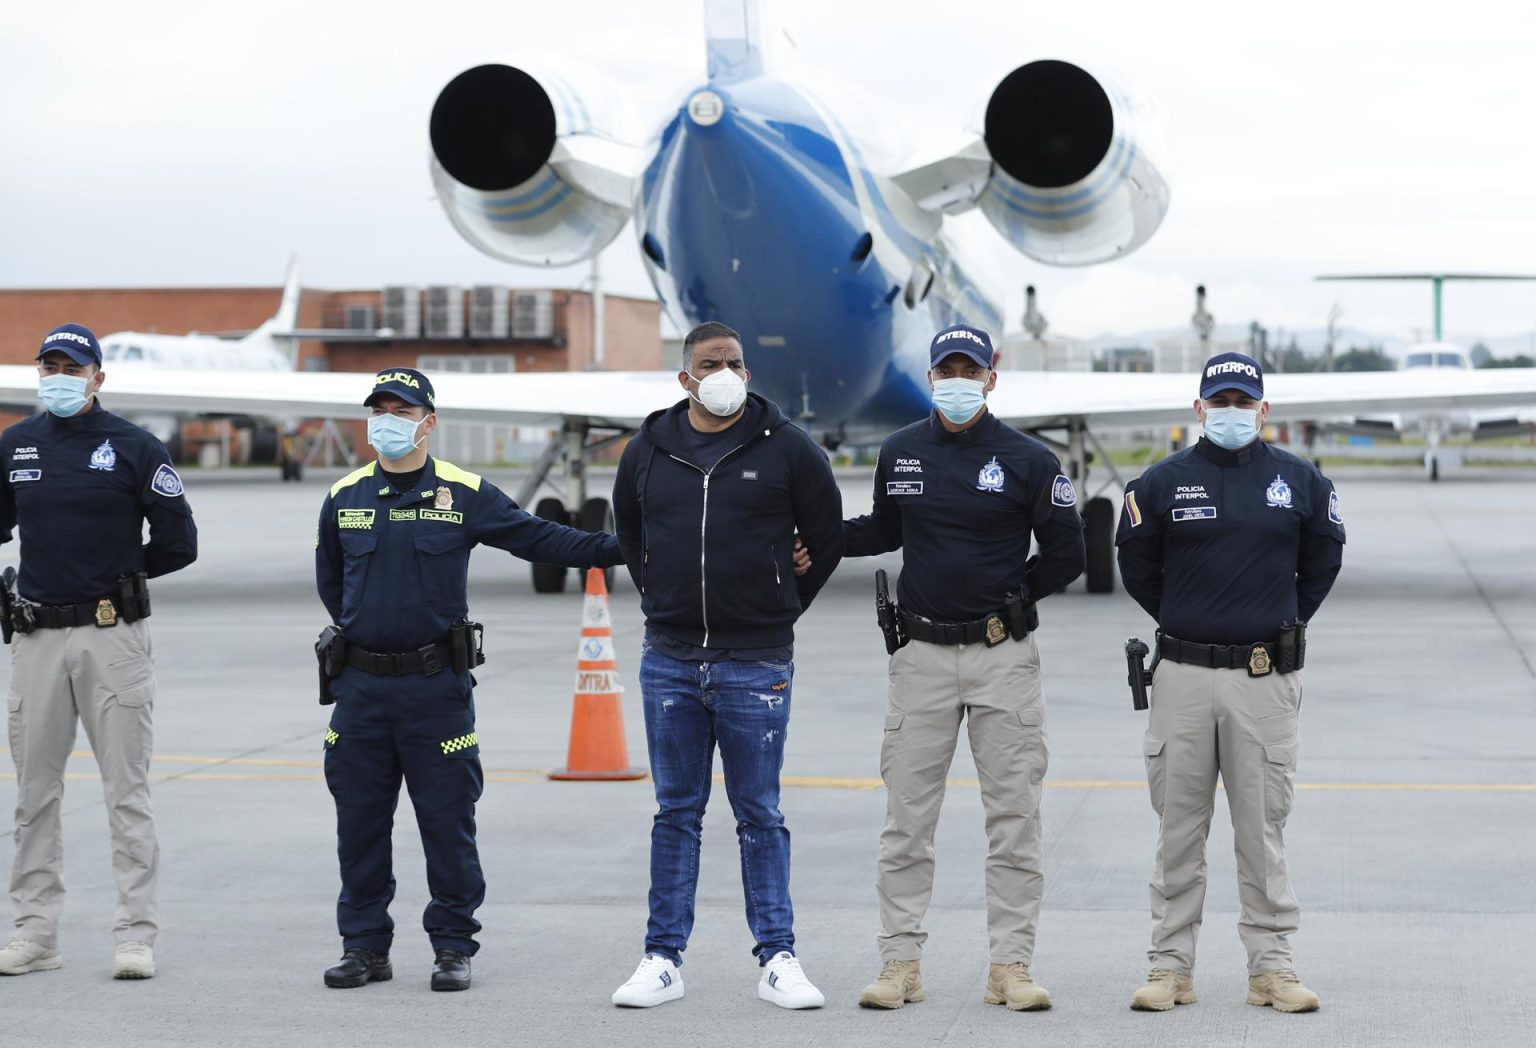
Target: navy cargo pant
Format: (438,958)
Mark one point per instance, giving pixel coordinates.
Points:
(421,729)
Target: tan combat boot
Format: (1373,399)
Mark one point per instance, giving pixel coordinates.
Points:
(1164,989)
(1011,984)
(1281,990)
(897,983)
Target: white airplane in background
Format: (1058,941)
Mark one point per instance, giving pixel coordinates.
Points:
(1438,360)
(766,200)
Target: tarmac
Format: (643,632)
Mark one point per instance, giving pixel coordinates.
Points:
(1412,845)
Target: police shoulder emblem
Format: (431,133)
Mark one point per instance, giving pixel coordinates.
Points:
(1278,493)
(1062,492)
(443,499)
(991,477)
(167,481)
(104,457)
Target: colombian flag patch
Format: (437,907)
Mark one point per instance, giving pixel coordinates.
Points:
(1132,511)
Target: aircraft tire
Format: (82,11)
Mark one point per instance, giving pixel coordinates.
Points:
(1432,467)
(597,515)
(550,578)
(1099,519)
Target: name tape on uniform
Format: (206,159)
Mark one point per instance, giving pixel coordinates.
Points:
(354,519)
(402,514)
(1194,513)
(26,474)
(903,487)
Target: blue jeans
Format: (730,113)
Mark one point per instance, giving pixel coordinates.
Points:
(690,707)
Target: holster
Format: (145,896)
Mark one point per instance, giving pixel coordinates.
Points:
(886,617)
(331,657)
(133,597)
(7,603)
(1022,618)
(467,640)
(1291,648)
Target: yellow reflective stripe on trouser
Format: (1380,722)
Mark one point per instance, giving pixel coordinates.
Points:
(463,742)
(331,737)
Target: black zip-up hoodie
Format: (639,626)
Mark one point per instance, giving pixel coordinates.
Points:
(710,544)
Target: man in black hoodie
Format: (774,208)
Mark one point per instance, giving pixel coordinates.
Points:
(709,496)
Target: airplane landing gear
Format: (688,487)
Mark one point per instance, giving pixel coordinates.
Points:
(575,509)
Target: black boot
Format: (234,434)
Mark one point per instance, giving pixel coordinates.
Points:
(450,971)
(358,968)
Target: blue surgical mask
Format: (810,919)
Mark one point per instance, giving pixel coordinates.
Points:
(1232,428)
(392,436)
(959,398)
(64,395)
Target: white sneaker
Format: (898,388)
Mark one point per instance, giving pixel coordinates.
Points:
(784,984)
(134,960)
(656,981)
(22,956)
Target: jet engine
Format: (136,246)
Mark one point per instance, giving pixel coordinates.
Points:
(1070,185)
(529,168)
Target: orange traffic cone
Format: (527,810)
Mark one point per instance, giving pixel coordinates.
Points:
(597,748)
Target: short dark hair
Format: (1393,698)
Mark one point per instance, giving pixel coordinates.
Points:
(703,333)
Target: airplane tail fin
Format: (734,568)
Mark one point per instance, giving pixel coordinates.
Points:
(741,39)
(286,318)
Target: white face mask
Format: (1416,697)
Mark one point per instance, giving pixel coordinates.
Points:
(722,393)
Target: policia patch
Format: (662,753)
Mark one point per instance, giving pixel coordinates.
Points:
(354,519)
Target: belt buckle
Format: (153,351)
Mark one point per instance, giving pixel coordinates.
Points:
(996,631)
(430,663)
(106,614)
(1259,664)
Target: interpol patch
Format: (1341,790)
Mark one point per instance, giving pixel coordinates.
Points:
(1062,491)
(451,516)
(1194,513)
(354,519)
(167,482)
(903,487)
(18,475)
(402,514)
(1333,507)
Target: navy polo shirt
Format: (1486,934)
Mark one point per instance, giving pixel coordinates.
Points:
(961,507)
(1226,547)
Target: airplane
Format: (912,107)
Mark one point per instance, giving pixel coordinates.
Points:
(768,199)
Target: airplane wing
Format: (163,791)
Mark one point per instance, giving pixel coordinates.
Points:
(622,399)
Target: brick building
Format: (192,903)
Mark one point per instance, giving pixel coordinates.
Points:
(435,328)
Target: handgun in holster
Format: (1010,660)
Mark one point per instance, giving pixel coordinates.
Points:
(885,615)
(467,640)
(8,604)
(1020,615)
(331,655)
(1291,649)
(1138,674)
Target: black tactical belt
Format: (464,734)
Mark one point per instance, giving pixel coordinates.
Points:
(428,659)
(1258,658)
(101,613)
(990,630)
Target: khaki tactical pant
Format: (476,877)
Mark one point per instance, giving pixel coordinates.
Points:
(1204,721)
(105,677)
(996,691)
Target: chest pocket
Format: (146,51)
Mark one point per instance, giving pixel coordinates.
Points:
(442,555)
(357,549)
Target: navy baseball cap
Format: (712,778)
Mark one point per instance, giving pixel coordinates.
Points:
(408,384)
(75,341)
(1232,371)
(973,342)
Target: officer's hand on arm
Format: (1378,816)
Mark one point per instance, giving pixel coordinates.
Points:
(818,506)
(172,541)
(878,531)
(1139,548)
(802,558)
(1322,550)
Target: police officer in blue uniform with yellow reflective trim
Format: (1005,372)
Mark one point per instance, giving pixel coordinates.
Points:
(1231,545)
(391,563)
(82,482)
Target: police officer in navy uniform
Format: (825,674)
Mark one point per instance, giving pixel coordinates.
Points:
(960,493)
(391,563)
(1231,545)
(81,482)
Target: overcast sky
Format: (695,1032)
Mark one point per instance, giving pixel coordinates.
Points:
(167,143)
